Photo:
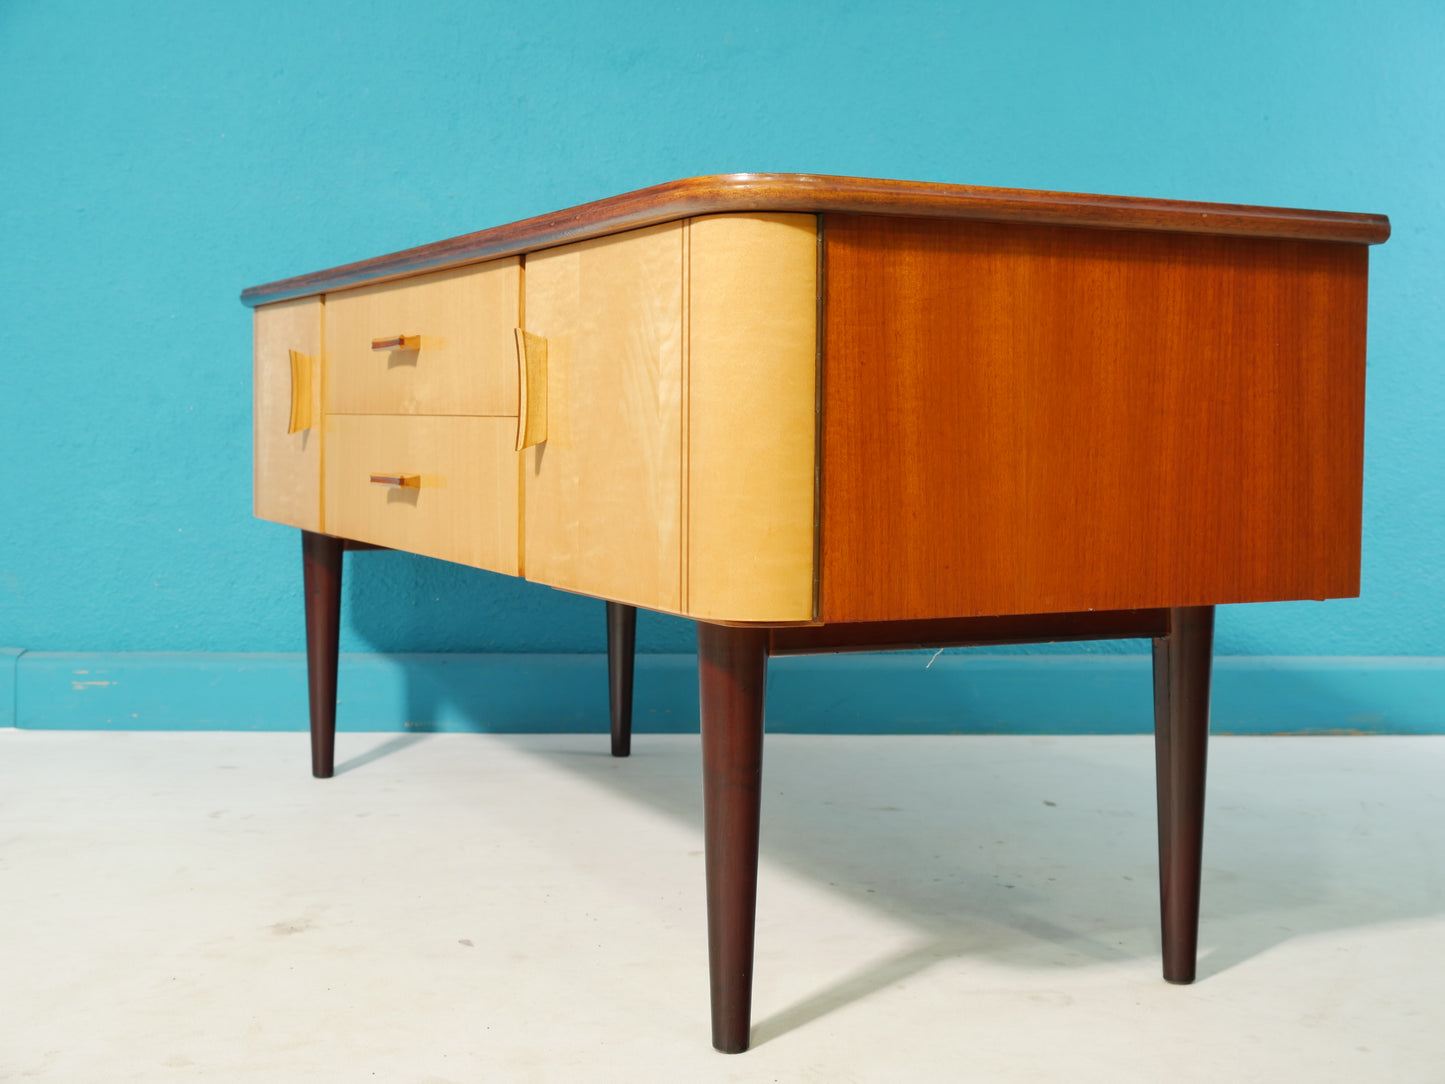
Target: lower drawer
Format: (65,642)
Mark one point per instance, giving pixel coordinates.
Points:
(458,492)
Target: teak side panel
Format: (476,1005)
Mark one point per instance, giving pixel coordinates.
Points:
(603,492)
(286,480)
(466,360)
(1027,419)
(464,507)
(752,416)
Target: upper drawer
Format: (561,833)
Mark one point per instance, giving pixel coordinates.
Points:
(457,352)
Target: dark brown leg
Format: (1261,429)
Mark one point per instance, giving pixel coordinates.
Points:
(732,677)
(621,652)
(1181,739)
(321,568)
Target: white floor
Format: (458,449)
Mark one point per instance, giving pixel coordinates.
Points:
(505,908)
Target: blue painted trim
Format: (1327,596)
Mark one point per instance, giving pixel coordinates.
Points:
(904,693)
(9,658)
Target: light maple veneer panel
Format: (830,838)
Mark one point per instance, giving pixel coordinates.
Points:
(603,493)
(1035,419)
(464,510)
(287,466)
(752,422)
(466,362)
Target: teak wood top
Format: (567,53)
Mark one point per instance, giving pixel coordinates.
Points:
(805,193)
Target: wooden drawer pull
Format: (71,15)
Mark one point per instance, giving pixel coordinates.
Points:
(397,342)
(532,389)
(400,481)
(302,366)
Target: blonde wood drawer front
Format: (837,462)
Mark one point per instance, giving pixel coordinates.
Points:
(459,497)
(287,464)
(457,353)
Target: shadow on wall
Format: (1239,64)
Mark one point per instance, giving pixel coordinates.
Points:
(400,604)
(396,604)
(429,619)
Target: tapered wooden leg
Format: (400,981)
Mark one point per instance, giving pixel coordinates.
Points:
(732,678)
(1181,739)
(621,653)
(321,569)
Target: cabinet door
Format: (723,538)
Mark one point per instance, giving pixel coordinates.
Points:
(287,413)
(603,493)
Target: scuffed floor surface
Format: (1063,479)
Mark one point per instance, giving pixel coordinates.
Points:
(453,908)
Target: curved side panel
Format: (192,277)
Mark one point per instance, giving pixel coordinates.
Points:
(752,417)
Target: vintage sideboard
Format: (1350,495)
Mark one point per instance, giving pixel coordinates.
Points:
(837,414)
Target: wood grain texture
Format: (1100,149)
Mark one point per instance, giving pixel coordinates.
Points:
(732,668)
(1025,419)
(809,194)
(465,508)
(467,359)
(752,417)
(603,492)
(321,567)
(1181,743)
(286,479)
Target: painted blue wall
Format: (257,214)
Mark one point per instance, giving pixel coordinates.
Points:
(156,158)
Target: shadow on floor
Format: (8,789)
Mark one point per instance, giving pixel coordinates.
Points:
(385,749)
(1036,853)
(984,856)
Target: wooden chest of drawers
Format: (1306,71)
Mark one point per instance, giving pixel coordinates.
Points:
(680,407)
(833,414)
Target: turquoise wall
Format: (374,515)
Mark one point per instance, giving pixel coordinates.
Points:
(156,158)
